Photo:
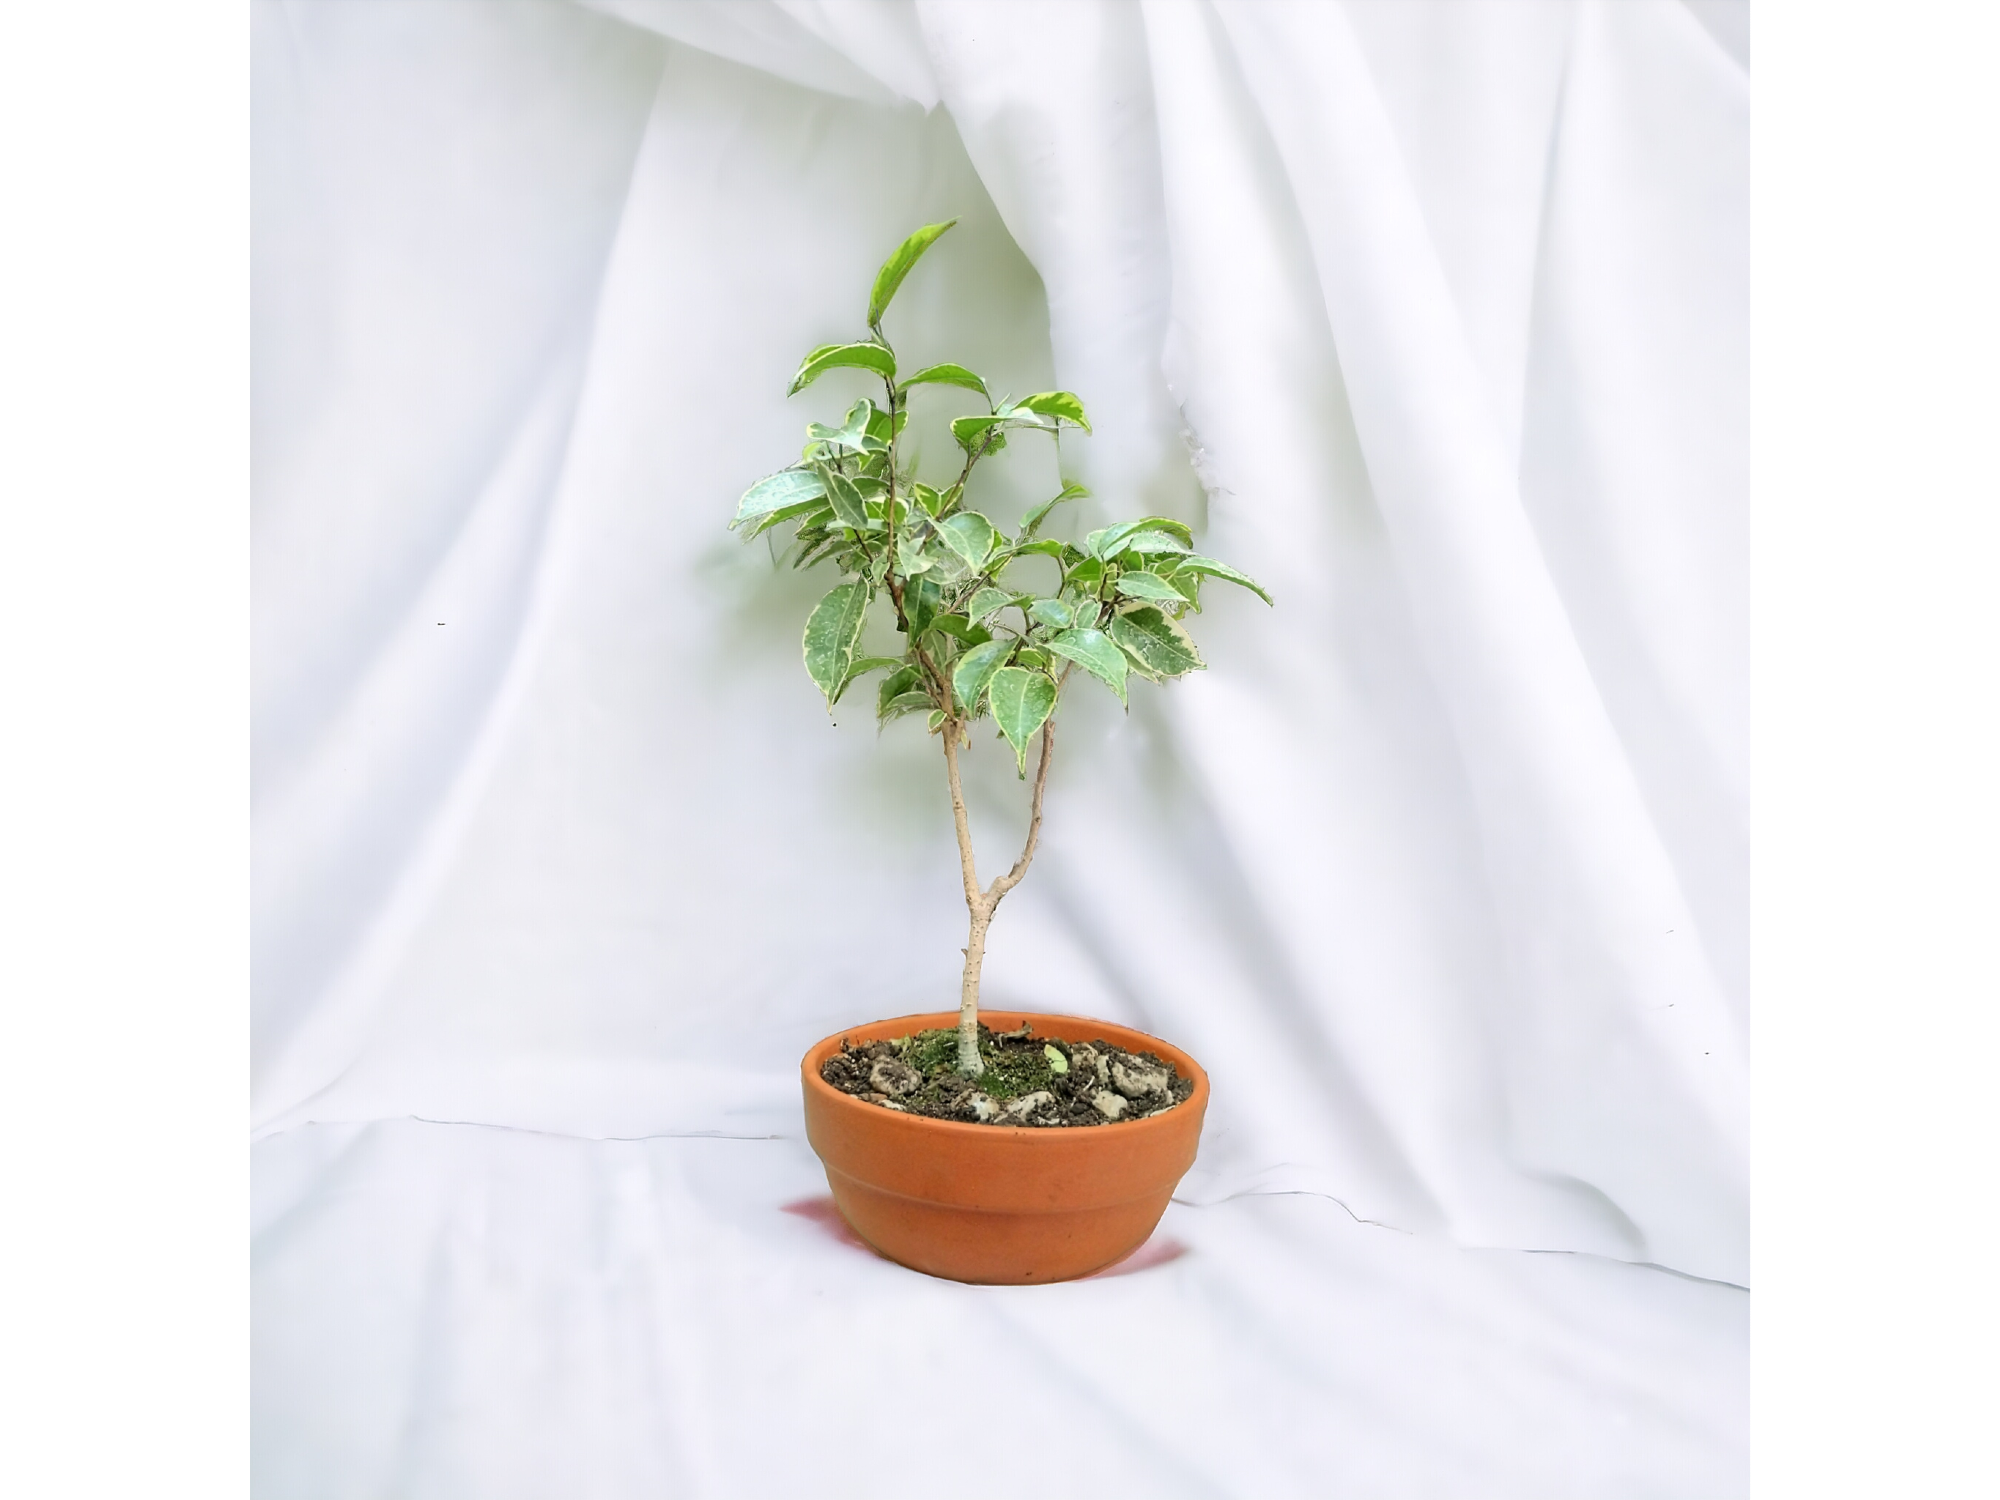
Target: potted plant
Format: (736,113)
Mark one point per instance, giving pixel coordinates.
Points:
(1019,1148)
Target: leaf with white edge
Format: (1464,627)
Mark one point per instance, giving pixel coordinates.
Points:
(881,429)
(1059,404)
(1032,656)
(1094,652)
(971,432)
(970,535)
(852,433)
(920,602)
(1151,542)
(1035,517)
(866,356)
(785,488)
(902,703)
(975,669)
(962,629)
(1022,701)
(1146,586)
(987,600)
(832,634)
(928,499)
(862,668)
(815,551)
(1087,613)
(947,374)
(846,501)
(1052,612)
(904,679)
(804,508)
(1085,576)
(910,558)
(1156,644)
(1046,546)
(1109,541)
(897,266)
(1208,567)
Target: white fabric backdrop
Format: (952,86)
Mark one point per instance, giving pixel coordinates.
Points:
(1441,867)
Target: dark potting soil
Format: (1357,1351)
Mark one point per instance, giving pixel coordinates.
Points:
(1029,1080)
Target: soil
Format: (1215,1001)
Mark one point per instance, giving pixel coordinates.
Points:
(1029,1080)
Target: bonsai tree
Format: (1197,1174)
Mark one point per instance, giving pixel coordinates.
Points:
(990,624)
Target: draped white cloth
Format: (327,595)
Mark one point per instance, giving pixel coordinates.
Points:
(1432,316)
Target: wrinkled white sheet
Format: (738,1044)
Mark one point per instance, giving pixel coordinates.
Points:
(1440,869)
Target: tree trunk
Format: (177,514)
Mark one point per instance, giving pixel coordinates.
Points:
(980,905)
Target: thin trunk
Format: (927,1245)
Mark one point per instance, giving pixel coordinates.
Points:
(969,1061)
(980,905)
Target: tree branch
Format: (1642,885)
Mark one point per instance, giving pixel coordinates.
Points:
(1002,884)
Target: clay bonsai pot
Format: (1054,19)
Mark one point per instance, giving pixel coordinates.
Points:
(1010,1204)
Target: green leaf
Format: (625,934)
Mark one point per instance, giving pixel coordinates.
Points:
(928,499)
(1112,540)
(1059,404)
(805,508)
(947,374)
(1151,541)
(1093,651)
(787,487)
(1046,546)
(846,500)
(960,628)
(920,602)
(1210,568)
(898,682)
(853,431)
(987,600)
(1085,576)
(1157,644)
(832,634)
(1146,586)
(897,266)
(1053,613)
(1058,1064)
(1035,517)
(867,356)
(1022,702)
(1030,656)
(970,535)
(970,432)
(975,669)
(901,704)
(862,668)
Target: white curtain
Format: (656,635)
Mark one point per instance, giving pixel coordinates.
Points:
(1431,316)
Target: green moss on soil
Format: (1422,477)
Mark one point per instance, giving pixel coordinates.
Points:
(1010,1071)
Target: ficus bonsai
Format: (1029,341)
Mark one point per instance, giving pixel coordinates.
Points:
(982,634)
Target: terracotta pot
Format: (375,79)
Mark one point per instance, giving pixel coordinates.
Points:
(1000,1203)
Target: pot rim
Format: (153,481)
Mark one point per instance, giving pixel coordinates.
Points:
(1182,1060)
